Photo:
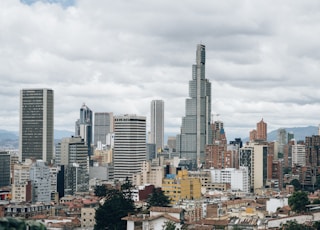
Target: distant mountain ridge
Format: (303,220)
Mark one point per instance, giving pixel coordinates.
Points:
(300,133)
(11,135)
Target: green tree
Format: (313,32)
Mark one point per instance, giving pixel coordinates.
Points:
(100,190)
(158,198)
(316,201)
(293,225)
(298,201)
(116,206)
(296,184)
(126,188)
(169,225)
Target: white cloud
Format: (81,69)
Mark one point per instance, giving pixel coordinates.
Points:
(116,56)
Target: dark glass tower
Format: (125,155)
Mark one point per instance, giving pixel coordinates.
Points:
(195,128)
(84,126)
(36,124)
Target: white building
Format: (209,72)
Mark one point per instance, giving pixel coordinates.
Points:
(41,183)
(298,155)
(238,178)
(273,204)
(129,145)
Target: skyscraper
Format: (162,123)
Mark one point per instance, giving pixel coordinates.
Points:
(157,123)
(262,130)
(195,127)
(129,145)
(72,154)
(36,124)
(84,126)
(103,124)
(4,169)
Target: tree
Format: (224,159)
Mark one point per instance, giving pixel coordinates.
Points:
(126,188)
(316,201)
(296,184)
(293,225)
(100,191)
(298,201)
(158,198)
(169,225)
(116,206)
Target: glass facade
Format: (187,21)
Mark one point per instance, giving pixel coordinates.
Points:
(36,124)
(195,128)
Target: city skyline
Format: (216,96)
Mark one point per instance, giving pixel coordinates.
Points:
(262,59)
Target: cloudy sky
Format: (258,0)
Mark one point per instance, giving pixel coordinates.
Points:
(263,58)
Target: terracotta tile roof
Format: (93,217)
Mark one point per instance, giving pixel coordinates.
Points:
(166,209)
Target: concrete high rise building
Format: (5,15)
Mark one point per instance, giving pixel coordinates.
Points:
(129,145)
(41,183)
(255,157)
(72,154)
(103,125)
(36,137)
(298,154)
(4,169)
(157,124)
(196,132)
(261,131)
(84,126)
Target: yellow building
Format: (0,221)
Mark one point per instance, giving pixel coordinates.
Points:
(181,186)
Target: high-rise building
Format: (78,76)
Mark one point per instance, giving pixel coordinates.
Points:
(129,145)
(157,124)
(103,125)
(4,169)
(262,131)
(84,126)
(40,180)
(72,154)
(36,124)
(21,183)
(298,154)
(255,157)
(196,132)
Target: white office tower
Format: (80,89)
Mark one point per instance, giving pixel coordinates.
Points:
(237,178)
(196,132)
(41,183)
(157,124)
(36,124)
(103,125)
(298,155)
(129,145)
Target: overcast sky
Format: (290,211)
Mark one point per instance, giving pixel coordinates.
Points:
(263,58)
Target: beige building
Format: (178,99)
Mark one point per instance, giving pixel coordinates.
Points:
(103,156)
(21,184)
(151,173)
(254,156)
(87,218)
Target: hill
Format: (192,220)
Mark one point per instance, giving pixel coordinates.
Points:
(299,132)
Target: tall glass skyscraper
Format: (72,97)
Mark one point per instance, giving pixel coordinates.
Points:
(157,123)
(36,124)
(84,126)
(103,124)
(195,127)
